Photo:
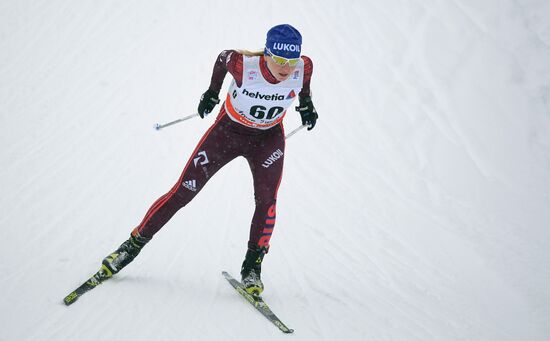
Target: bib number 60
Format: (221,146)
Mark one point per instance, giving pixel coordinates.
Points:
(259,112)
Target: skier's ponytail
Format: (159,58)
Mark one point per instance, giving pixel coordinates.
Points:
(251,53)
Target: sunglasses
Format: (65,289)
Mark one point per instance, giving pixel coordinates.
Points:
(282,60)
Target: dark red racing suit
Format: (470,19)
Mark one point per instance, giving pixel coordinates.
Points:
(222,142)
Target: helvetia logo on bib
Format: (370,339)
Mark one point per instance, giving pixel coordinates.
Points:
(258,95)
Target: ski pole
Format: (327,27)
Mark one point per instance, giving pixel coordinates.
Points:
(295,131)
(160,126)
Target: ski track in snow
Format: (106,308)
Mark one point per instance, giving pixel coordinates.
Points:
(417,209)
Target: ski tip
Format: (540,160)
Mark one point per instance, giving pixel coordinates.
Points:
(71,298)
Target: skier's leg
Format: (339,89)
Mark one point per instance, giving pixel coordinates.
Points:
(266,164)
(212,152)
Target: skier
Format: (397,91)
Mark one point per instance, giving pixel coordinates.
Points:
(249,124)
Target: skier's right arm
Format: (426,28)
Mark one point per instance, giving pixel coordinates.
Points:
(228,60)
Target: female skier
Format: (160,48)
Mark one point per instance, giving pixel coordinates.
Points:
(249,124)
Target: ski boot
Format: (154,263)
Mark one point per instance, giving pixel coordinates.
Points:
(251,270)
(126,253)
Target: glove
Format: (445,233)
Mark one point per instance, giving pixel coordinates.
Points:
(308,112)
(209,99)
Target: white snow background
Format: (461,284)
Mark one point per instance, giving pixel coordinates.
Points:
(417,209)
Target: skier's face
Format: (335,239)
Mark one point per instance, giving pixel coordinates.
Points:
(281,72)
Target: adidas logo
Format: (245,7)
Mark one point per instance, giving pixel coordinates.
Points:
(190,185)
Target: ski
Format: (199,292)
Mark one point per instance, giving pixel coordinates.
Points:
(99,277)
(258,303)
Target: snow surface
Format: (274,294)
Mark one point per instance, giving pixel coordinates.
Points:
(417,209)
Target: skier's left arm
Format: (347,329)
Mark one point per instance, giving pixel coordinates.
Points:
(305,108)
